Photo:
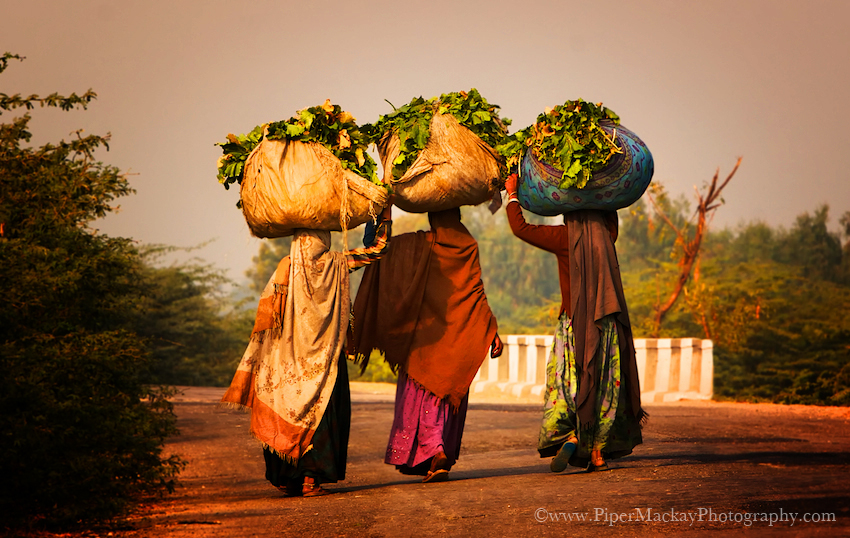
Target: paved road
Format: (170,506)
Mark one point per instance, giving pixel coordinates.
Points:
(702,469)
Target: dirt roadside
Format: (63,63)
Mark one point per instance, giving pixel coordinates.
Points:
(704,468)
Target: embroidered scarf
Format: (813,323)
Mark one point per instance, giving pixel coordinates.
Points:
(287,373)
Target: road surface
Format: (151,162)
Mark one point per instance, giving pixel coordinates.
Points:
(705,468)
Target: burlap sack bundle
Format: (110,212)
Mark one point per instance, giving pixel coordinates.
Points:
(456,168)
(289,185)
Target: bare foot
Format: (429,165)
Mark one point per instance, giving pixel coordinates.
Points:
(597,463)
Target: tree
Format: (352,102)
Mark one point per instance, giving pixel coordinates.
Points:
(521,281)
(265,262)
(796,349)
(647,250)
(690,245)
(780,333)
(196,334)
(845,250)
(81,433)
(644,240)
(811,246)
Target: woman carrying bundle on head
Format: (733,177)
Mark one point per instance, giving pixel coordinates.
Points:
(293,374)
(592,409)
(424,306)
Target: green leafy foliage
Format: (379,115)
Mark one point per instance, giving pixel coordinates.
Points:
(195,333)
(567,137)
(476,114)
(521,281)
(231,165)
(412,123)
(81,430)
(777,319)
(795,350)
(377,370)
(326,124)
(810,245)
(82,433)
(11,102)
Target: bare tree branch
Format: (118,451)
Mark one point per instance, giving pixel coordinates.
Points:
(690,248)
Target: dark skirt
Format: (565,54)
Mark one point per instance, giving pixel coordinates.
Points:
(324,462)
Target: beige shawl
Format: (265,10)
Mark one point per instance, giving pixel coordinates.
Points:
(287,373)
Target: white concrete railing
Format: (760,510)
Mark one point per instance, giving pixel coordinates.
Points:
(669,369)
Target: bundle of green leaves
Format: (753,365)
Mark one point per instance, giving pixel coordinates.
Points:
(412,123)
(567,137)
(327,125)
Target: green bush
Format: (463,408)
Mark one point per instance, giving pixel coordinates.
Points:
(196,334)
(377,370)
(81,435)
(81,432)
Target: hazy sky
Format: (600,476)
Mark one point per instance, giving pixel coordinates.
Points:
(702,83)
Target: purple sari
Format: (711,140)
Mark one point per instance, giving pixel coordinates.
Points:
(423,426)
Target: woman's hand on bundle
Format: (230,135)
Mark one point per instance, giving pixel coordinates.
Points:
(510,184)
(387,213)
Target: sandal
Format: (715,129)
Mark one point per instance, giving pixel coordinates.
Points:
(311,488)
(439,469)
(440,475)
(562,458)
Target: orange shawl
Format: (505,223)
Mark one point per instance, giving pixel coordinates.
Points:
(424,306)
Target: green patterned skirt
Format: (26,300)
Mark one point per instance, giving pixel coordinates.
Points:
(615,430)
